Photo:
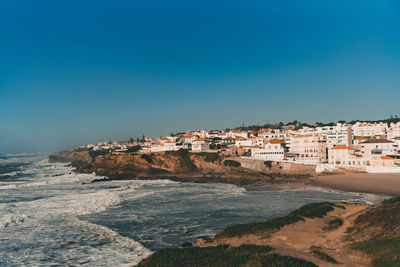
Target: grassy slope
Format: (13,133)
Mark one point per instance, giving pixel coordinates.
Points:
(381,226)
(313,210)
(222,256)
(245,254)
(378,228)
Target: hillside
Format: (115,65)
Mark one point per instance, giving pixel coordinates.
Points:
(323,234)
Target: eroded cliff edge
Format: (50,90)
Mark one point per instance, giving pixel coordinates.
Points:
(183,165)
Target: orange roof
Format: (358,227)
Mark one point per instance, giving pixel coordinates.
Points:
(275,141)
(342,147)
(386,158)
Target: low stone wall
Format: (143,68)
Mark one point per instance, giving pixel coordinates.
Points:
(369,169)
(332,168)
(380,169)
(277,167)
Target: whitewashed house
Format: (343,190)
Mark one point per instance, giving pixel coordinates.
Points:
(341,134)
(273,150)
(393,131)
(308,148)
(346,155)
(374,148)
(201,144)
(369,129)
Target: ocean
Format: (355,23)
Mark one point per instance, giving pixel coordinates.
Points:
(50,215)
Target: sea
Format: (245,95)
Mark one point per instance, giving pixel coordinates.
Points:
(50,215)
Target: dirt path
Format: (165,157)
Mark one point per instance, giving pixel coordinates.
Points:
(296,239)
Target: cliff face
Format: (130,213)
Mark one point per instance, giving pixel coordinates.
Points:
(71,156)
(176,165)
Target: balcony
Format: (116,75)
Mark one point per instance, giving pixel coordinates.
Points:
(376,151)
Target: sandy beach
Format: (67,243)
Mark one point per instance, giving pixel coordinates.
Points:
(381,183)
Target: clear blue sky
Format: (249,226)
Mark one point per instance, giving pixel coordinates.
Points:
(80,71)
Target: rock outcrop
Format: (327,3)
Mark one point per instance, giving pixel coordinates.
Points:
(179,165)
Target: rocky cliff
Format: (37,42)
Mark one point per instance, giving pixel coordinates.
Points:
(179,165)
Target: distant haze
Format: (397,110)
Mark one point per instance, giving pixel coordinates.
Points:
(74,72)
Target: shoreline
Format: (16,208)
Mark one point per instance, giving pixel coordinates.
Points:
(176,167)
(373,183)
(379,184)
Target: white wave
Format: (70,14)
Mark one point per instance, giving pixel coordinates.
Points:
(131,251)
(11,174)
(9,186)
(11,219)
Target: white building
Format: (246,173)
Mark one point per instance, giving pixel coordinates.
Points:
(393,131)
(241,134)
(273,150)
(369,129)
(373,148)
(201,144)
(308,148)
(346,155)
(243,142)
(341,134)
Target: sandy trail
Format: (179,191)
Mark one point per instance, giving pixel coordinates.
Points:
(296,239)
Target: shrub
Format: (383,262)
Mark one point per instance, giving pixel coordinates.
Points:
(209,157)
(221,256)
(317,251)
(147,158)
(334,224)
(268,163)
(133,149)
(184,159)
(231,163)
(386,252)
(94,154)
(307,211)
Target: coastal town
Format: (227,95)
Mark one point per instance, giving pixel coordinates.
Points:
(359,146)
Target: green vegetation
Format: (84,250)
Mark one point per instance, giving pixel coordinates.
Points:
(184,159)
(133,149)
(209,157)
(268,163)
(312,210)
(94,154)
(231,163)
(383,216)
(147,158)
(334,224)
(386,252)
(298,124)
(382,224)
(317,251)
(221,256)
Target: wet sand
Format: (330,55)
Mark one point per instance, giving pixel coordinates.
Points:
(378,183)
